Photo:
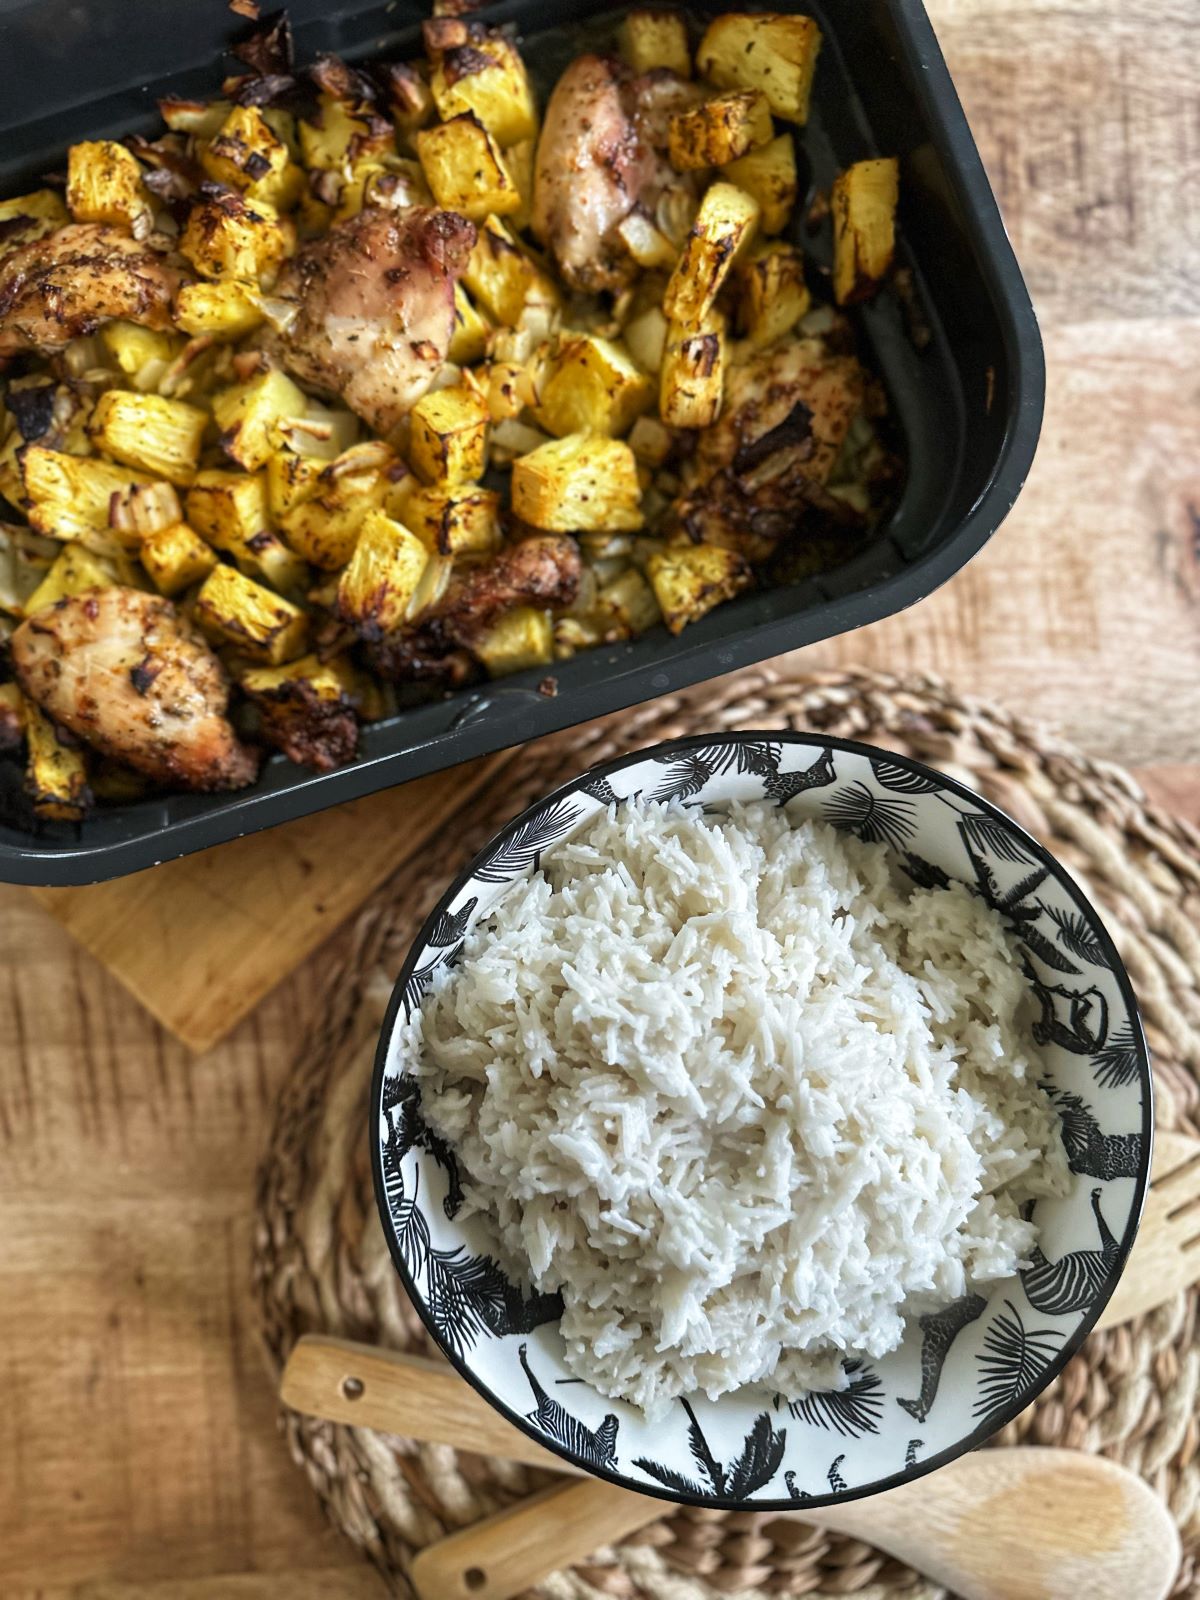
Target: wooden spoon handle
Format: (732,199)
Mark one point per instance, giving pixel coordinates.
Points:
(506,1554)
(400,1393)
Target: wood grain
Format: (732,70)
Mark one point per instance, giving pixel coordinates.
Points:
(200,941)
(139,1456)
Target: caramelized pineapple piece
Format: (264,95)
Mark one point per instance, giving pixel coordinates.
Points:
(27,217)
(774,295)
(504,278)
(864,227)
(465,169)
(376,591)
(249,415)
(229,511)
(225,311)
(518,639)
(455,520)
(579,483)
(469,341)
(55,775)
(652,40)
(104,184)
(141,353)
(771,52)
(448,439)
(262,625)
(324,526)
(719,130)
(769,174)
(692,380)
(689,580)
(592,385)
(69,495)
(160,437)
(225,237)
(74,570)
(245,153)
(484,74)
(723,228)
(176,557)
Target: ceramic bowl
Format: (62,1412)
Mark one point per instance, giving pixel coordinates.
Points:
(962,1372)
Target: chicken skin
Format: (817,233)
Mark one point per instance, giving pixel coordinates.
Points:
(758,469)
(542,571)
(123,672)
(602,154)
(375,301)
(66,285)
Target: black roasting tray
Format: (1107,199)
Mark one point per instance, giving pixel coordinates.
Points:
(967,403)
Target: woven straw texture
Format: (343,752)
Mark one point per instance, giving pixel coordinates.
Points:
(321,1264)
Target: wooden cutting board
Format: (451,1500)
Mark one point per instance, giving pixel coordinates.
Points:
(200,941)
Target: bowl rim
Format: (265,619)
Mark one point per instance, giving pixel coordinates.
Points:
(1070,1345)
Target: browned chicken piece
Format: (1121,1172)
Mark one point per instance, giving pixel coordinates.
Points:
(757,470)
(66,285)
(375,302)
(602,153)
(542,571)
(124,672)
(317,733)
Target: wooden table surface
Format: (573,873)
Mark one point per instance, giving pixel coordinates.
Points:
(138,1451)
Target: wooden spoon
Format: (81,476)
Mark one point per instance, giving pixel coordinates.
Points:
(1023,1524)
(1000,1525)
(1166,1254)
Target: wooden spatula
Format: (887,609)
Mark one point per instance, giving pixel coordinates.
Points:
(1166,1255)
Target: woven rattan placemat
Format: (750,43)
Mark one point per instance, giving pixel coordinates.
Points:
(321,1264)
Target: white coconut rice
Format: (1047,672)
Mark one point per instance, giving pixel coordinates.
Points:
(743,1094)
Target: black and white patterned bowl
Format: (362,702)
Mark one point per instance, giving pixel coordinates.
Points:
(962,1372)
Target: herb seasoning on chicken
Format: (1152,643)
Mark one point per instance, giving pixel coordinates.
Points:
(363,383)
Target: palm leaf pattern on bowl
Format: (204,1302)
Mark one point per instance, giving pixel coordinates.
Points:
(1012,1360)
(451,926)
(757,1463)
(875,818)
(1076,935)
(851,1411)
(891,775)
(986,833)
(1116,1064)
(419,981)
(523,848)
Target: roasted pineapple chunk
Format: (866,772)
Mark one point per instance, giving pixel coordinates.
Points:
(324,527)
(68,495)
(376,591)
(74,570)
(249,414)
(245,153)
(650,40)
(227,237)
(774,295)
(176,557)
(578,484)
(239,611)
(692,381)
(645,241)
(229,511)
(224,310)
(645,337)
(485,75)
(770,52)
(336,137)
(769,174)
(454,521)
(161,437)
(469,341)
(200,118)
(104,184)
(292,478)
(448,438)
(504,278)
(864,227)
(518,639)
(690,579)
(138,350)
(592,386)
(719,130)
(55,776)
(31,216)
(723,228)
(465,170)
